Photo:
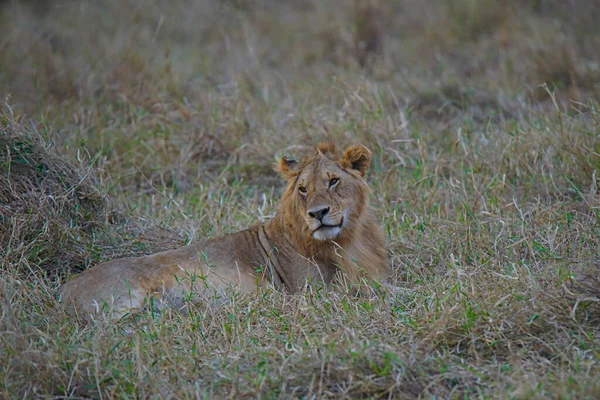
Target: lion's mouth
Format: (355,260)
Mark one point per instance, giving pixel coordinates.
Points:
(330,226)
(327,232)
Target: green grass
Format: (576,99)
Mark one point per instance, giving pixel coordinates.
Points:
(129,129)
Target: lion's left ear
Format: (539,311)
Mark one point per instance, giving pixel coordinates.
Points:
(287,167)
(356,157)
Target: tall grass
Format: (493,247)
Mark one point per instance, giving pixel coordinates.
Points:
(129,128)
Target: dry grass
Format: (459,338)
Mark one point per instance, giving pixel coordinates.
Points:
(46,205)
(130,128)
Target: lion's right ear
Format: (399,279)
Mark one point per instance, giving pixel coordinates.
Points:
(356,157)
(287,167)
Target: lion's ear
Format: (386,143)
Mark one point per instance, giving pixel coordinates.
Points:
(287,167)
(356,157)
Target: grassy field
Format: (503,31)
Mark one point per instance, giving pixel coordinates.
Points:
(129,127)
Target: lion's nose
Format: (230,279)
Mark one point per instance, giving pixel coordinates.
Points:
(318,213)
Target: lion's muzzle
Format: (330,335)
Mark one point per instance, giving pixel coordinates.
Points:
(324,225)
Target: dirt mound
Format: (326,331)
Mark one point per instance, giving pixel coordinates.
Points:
(49,208)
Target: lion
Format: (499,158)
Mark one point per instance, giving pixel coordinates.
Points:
(323,225)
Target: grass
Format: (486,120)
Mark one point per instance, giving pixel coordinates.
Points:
(127,129)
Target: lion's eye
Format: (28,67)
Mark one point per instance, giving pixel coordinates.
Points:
(333,182)
(302,190)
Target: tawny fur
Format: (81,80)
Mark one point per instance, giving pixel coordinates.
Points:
(284,251)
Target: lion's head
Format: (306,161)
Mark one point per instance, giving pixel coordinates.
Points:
(327,193)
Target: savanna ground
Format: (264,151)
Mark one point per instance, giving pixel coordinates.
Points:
(130,127)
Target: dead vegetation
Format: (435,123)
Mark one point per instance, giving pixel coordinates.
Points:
(54,217)
(160,125)
(46,204)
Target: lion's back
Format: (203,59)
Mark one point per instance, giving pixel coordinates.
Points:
(220,263)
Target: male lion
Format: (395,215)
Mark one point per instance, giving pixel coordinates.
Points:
(323,225)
